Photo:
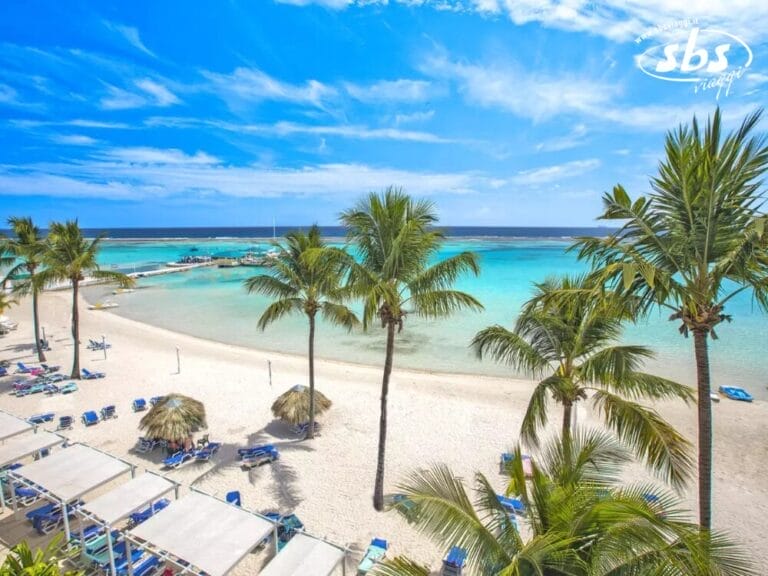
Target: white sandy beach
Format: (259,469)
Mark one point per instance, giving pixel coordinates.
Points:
(463,421)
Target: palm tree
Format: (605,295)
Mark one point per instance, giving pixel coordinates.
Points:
(307,278)
(70,257)
(5,301)
(694,243)
(571,346)
(22,561)
(28,247)
(581,520)
(395,240)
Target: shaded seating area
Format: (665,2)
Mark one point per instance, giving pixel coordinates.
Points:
(19,447)
(201,534)
(305,556)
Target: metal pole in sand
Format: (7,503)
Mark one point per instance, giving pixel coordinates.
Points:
(269,364)
(178,360)
(104,345)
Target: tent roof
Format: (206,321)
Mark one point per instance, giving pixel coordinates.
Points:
(304,556)
(128,498)
(209,534)
(14,449)
(70,473)
(10,425)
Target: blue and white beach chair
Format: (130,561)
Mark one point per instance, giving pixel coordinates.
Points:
(375,553)
(139,404)
(90,418)
(92,375)
(453,565)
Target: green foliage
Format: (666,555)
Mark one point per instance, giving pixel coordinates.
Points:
(580,521)
(6,301)
(566,336)
(26,250)
(22,561)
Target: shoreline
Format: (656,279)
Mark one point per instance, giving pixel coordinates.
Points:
(464,422)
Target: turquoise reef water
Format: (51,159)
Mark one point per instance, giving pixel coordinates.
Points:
(211,303)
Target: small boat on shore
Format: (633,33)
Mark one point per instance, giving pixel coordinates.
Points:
(228,263)
(123,291)
(103,305)
(736,393)
(252,259)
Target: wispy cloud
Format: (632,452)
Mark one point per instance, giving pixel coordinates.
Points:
(575,137)
(556,173)
(74,140)
(130,34)
(161,94)
(153,94)
(248,85)
(77,122)
(414,117)
(7,94)
(402,90)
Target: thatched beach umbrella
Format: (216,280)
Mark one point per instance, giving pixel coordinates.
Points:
(174,417)
(293,405)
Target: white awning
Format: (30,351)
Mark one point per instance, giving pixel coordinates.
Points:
(11,425)
(209,534)
(72,472)
(16,448)
(127,498)
(304,556)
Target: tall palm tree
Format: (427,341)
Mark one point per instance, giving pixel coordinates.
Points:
(581,521)
(307,278)
(695,242)
(571,345)
(394,237)
(71,257)
(28,247)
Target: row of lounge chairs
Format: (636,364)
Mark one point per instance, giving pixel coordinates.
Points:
(49,517)
(96,551)
(197,454)
(257,455)
(91,418)
(22,368)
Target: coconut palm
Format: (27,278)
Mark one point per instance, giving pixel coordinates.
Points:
(295,404)
(28,247)
(579,520)
(71,257)
(174,417)
(394,237)
(571,346)
(695,242)
(22,561)
(307,278)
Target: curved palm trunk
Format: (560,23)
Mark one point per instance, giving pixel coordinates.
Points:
(705,428)
(36,323)
(378,489)
(75,331)
(311,430)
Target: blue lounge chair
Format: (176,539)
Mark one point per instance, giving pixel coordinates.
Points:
(65,423)
(207,453)
(289,525)
(143,567)
(179,458)
(234,498)
(404,505)
(512,505)
(139,404)
(259,457)
(155,399)
(508,457)
(26,496)
(736,393)
(68,388)
(3,371)
(376,552)
(453,565)
(41,418)
(108,412)
(22,368)
(90,418)
(143,515)
(263,448)
(42,511)
(47,523)
(92,375)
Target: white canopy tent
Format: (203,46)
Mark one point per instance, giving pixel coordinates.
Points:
(124,500)
(212,536)
(305,556)
(19,447)
(11,425)
(69,474)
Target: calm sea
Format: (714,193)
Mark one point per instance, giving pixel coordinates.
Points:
(211,303)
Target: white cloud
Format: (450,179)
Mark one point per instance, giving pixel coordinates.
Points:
(414,117)
(335,4)
(120,99)
(161,94)
(131,35)
(159,156)
(154,95)
(74,140)
(558,172)
(78,123)
(253,85)
(7,94)
(574,138)
(401,90)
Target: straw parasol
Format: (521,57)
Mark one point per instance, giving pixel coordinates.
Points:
(293,405)
(173,418)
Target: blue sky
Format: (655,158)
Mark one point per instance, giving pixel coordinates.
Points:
(231,113)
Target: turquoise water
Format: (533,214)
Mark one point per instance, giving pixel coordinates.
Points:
(211,303)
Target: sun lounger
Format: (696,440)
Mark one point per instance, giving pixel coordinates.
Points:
(735,393)
(155,399)
(259,457)
(404,505)
(287,528)
(139,404)
(3,371)
(234,498)
(108,412)
(143,515)
(508,457)
(375,553)
(50,369)
(205,454)
(303,428)
(97,345)
(42,511)
(41,418)
(65,423)
(179,458)
(26,496)
(512,505)
(92,375)
(90,418)
(453,565)
(22,368)
(68,388)
(144,567)
(263,448)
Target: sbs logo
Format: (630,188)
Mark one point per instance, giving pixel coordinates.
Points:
(703,54)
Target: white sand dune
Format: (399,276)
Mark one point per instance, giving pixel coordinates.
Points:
(463,421)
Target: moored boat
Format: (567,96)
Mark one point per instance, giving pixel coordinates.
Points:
(103,305)
(736,393)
